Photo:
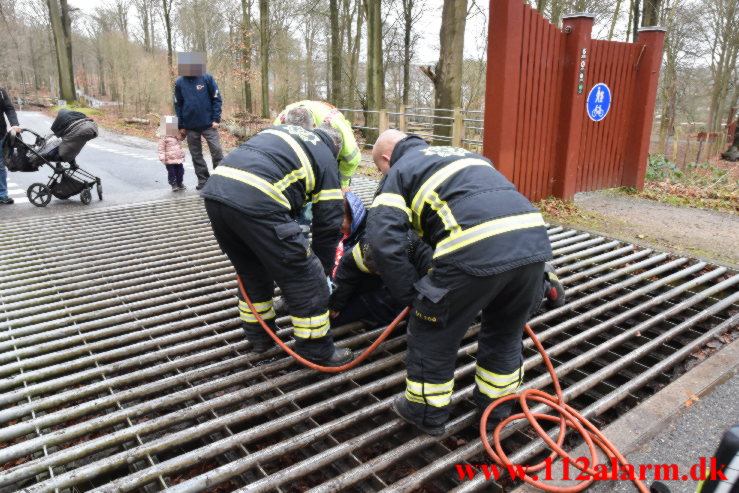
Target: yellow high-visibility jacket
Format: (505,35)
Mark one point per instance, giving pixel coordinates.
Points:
(350,154)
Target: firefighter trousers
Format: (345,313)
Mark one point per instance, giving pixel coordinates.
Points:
(448,302)
(271,249)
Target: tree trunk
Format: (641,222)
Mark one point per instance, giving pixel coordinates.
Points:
(63,47)
(166,14)
(448,74)
(336,92)
(614,19)
(635,20)
(375,76)
(246,53)
(650,14)
(407,37)
(264,57)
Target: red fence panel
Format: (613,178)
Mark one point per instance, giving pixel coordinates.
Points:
(537,131)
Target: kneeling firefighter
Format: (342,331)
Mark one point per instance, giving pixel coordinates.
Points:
(489,247)
(252,200)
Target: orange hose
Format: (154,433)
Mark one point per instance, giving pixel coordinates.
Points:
(569,418)
(325,369)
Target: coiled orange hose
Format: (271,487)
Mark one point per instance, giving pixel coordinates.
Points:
(569,417)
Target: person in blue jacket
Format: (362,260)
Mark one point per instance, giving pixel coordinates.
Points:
(197,102)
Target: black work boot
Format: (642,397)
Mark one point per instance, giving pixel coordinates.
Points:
(501,412)
(260,341)
(555,292)
(339,357)
(400,406)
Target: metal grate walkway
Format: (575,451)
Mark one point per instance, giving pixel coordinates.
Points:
(123,367)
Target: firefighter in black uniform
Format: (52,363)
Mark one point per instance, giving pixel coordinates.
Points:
(252,199)
(490,245)
(359,292)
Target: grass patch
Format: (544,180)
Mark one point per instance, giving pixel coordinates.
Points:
(74,107)
(699,185)
(567,212)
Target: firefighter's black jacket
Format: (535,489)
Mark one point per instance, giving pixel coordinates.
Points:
(357,271)
(461,206)
(279,170)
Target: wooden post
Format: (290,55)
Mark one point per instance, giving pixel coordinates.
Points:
(578,28)
(640,128)
(402,119)
(505,33)
(384,121)
(458,128)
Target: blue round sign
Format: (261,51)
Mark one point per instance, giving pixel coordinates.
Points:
(599,102)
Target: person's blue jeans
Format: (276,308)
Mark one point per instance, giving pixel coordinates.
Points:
(3,175)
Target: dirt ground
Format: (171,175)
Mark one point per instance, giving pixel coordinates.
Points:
(690,231)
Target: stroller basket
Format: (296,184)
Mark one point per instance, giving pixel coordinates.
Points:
(66,186)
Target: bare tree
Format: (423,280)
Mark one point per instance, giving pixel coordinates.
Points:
(166,13)
(246,51)
(375,74)
(722,31)
(61,27)
(336,95)
(447,76)
(412,12)
(264,56)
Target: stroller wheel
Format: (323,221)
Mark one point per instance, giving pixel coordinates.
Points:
(39,194)
(99,187)
(86,196)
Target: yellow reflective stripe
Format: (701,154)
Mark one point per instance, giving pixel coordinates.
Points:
(392,200)
(413,398)
(313,321)
(310,179)
(434,394)
(332,194)
(253,180)
(465,237)
(289,179)
(352,155)
(357,255)
(495,385)
(423,194)
(263,306)
(498,379)
(552,277)
(305,333)
(444,212)
(250,318)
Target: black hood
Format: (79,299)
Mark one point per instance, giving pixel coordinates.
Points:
(404,145)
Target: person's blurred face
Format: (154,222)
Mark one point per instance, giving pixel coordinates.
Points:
(168,126)
(191,64)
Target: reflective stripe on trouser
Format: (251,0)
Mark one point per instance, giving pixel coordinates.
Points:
(433,394)
(263,308)
(313,327)
(262,259)
(505,301)
(495,385)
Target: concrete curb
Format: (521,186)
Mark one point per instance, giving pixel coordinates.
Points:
(634,428)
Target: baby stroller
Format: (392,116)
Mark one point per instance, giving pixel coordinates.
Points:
(67,179)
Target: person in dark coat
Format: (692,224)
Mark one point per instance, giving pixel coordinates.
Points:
(7,110)
(197,102)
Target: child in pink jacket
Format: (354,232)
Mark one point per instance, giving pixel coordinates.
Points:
(171,153)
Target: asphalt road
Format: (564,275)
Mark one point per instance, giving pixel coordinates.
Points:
(128,167)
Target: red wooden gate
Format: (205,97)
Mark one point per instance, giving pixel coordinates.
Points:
(537,131)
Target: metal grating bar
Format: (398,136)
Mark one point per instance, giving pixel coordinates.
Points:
(124,366)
